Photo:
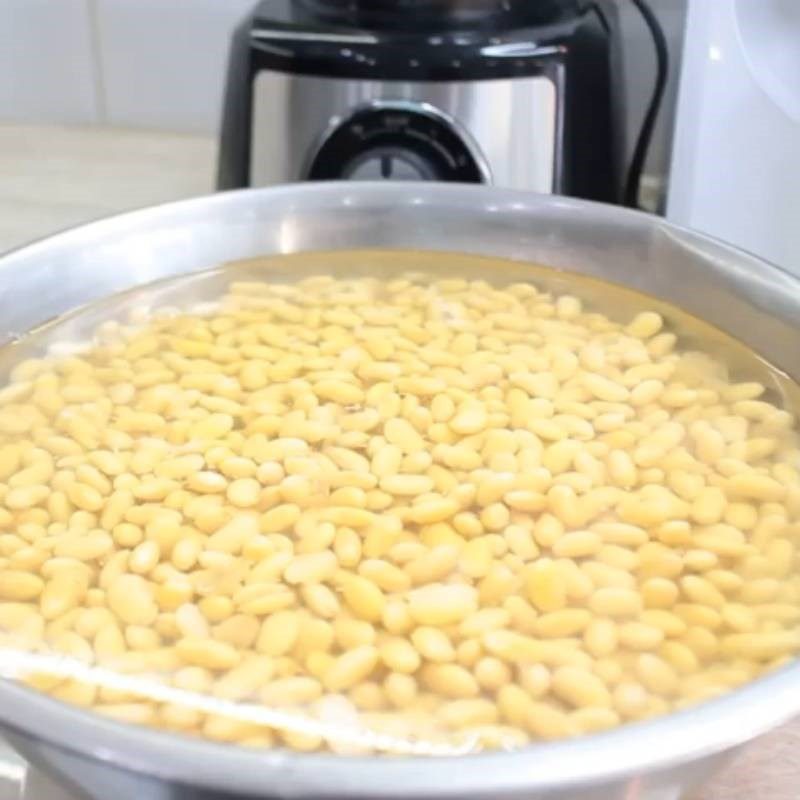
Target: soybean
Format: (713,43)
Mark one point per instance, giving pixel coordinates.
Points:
(431,506)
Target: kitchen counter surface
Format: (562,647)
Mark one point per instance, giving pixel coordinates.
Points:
(52,178)
(56,177)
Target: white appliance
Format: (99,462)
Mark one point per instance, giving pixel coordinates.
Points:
(736,156)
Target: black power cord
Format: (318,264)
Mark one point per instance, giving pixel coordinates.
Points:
(636,168)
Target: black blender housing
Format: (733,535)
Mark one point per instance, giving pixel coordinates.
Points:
(395,14)
(573,42)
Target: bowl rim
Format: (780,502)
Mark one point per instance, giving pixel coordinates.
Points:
(633,749)
(655,745)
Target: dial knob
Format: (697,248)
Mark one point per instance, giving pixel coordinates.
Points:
(396,142)
(390,163)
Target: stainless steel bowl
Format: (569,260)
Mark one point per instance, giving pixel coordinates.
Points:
(659,760)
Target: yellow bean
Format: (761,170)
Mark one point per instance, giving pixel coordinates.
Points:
(492,674)
(351,633)
(190,621)
(240,630)
(385,575)
(347,547)
(244,681)
(291,691)
(23,497)
(616,602)
(564,623)
(433,644)
(321,600)
(578,544)
(760,646)
(363,598)
(87,547)
(433,510)
(398,655)
(442,604)
(753,486)
(604,389)
(85,497)
(641,636)
(403,435)
(600,637)
(548,722)
(144,557)
(656,674)
(406,485)
(19,585)
(486,619)
(311,568)
(62,593)
(699,590)
(476,558)
(278,633)
(339,392)
(449,680)
(280,519)
(546,587)
(351,668)
(708,506)
(207,653)
(645,324)
(130,597)
(659,593)
(244,492)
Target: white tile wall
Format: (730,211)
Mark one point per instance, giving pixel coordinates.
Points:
(162,62)
(142,63)
(46,61)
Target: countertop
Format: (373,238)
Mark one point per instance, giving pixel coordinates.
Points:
(56,177)
(52,178)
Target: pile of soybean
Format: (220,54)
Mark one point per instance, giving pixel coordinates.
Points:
(439,508)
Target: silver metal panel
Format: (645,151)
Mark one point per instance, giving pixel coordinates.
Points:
(511,125)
